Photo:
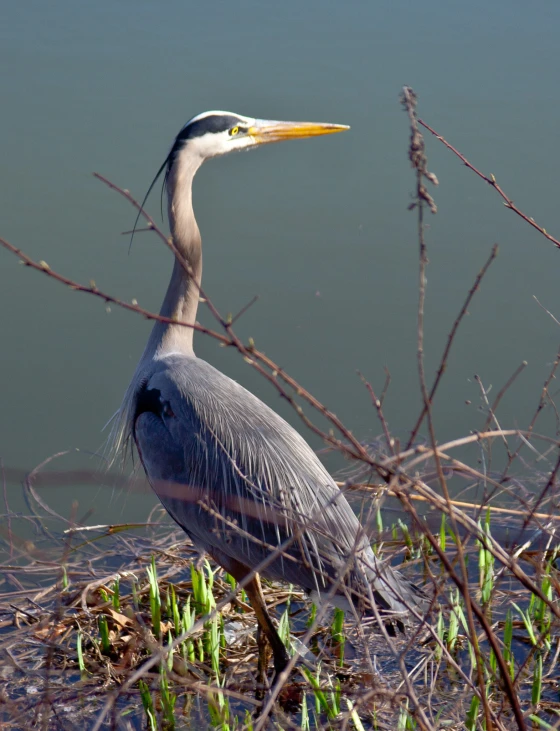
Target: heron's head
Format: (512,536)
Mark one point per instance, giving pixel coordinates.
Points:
(216,133)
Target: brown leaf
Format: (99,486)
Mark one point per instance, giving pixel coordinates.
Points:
(119,618)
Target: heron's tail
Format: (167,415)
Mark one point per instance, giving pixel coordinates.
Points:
(392,592)
(396,599)
(397,593)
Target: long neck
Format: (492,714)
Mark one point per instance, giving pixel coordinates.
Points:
(181,298)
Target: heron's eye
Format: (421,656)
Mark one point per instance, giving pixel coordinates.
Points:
(233,131)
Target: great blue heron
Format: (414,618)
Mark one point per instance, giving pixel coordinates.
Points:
(240,481)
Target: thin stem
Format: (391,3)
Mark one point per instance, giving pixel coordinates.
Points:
(508,203)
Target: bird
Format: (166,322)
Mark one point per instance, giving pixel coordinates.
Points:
(241,482)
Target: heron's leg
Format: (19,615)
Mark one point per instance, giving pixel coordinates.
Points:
(279,652)
(253,589)
(263,646)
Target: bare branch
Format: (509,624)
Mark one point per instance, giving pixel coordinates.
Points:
(492,181)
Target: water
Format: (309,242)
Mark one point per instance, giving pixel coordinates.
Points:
(319,229)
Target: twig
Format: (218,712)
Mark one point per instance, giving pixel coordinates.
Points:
(548,312)
(491,415)
(502,392)
(478,507)
(6,505)
(508,203)
(244,309)
(542,403)
(550,482)
(450,339)
(385,385)
(379,408)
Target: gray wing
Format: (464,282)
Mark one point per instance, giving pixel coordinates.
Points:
(242,482)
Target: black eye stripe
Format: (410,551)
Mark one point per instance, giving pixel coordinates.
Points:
(213,123)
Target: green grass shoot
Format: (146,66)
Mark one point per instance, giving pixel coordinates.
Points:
(155,599)
(148,705)
(80,654)
(116,595)
(337,634)
(104,634)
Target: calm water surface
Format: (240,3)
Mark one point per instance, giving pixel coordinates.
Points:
(319,229)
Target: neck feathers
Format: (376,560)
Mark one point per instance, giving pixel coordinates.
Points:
(181,299)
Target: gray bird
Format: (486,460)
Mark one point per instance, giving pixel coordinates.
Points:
(239,480)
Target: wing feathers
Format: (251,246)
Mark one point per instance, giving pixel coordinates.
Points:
(240,480)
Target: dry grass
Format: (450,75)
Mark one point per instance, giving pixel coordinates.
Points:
(93,593)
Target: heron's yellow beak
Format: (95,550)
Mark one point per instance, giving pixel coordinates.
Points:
(264,131)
